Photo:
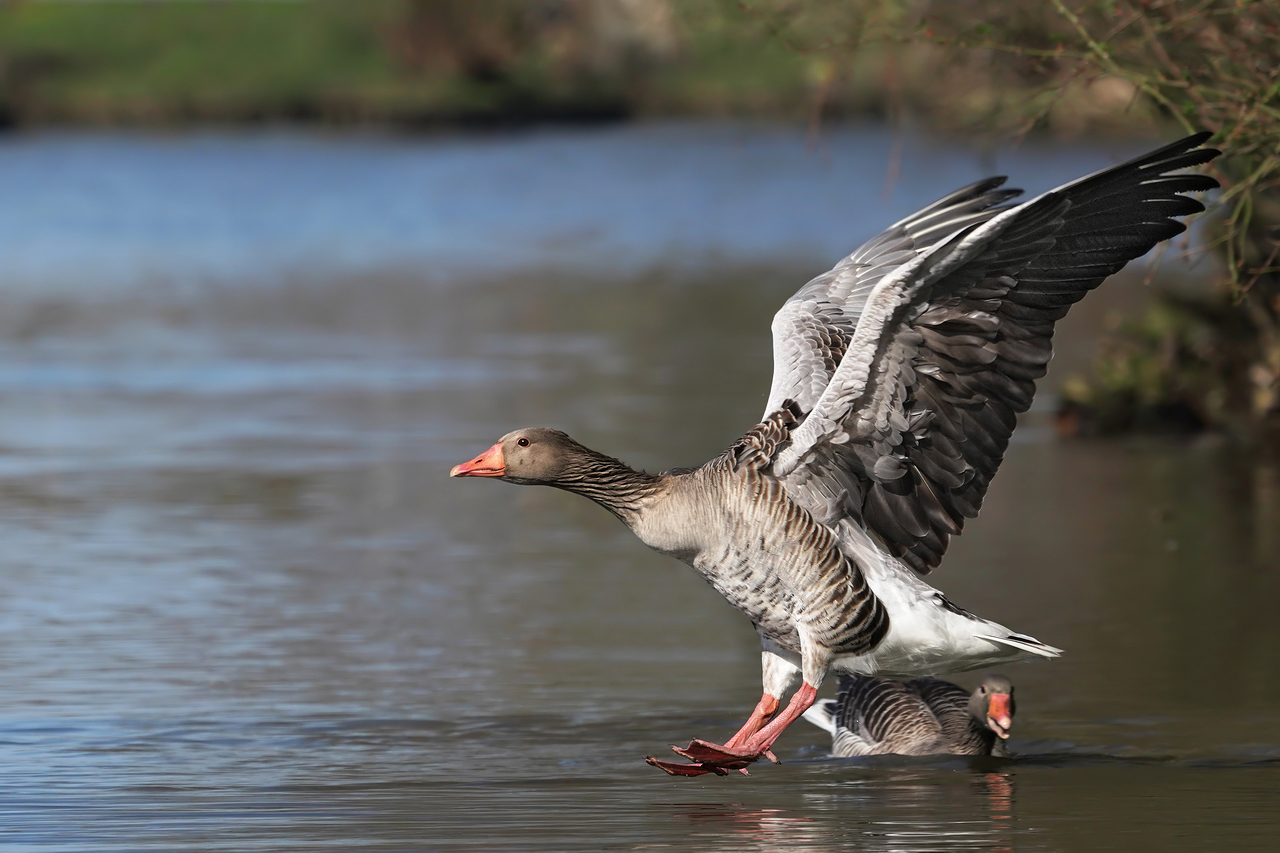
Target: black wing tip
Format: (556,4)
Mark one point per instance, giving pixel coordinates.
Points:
(1194,140)
(993,192)
(1186,143)
(988,190)
(1180,154)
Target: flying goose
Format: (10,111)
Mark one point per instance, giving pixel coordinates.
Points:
(924,716)
(898,378)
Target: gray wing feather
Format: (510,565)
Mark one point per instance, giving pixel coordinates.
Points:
(812,329)
(917,409)
(875,716)
(949,705)
(924,716)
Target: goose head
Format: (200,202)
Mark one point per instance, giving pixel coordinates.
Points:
(531,456)
(992,704)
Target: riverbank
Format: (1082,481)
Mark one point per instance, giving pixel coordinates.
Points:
(441,63)
(379,61)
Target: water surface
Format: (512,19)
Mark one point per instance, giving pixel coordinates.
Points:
(242,607)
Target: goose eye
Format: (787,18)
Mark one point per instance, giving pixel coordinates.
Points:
(523,442)
(982,688)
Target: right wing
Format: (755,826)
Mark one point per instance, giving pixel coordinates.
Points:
(812,329)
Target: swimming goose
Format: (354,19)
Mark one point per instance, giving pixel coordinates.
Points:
(898,378)
(924,716)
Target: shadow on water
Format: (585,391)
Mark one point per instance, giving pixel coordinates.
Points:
(242,607)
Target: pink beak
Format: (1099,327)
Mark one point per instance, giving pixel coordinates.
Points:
(487,464)
(998,716)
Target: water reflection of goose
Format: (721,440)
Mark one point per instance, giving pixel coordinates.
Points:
(924,716)
(898,378)
(915,809)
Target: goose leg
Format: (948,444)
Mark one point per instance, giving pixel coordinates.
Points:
(756,746)
(778,675)
(764,711)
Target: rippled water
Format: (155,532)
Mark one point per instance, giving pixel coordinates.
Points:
(242,607)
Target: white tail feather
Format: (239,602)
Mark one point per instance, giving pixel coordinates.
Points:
(823,715)
(1024,643)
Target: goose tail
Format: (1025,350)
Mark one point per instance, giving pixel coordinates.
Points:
(1023,643)
(823,715)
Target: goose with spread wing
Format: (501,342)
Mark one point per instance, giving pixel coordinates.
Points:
(898,379)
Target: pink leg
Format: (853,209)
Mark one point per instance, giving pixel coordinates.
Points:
(802,701)
(751,743)
(765,709)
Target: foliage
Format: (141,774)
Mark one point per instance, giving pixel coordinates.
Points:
(1067,67)
(401,61)
(407,62)
(1073,66)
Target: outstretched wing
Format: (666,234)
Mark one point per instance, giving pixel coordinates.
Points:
(812,329)
(914,418)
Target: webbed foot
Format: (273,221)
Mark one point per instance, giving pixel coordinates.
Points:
(704,751)
(680,768)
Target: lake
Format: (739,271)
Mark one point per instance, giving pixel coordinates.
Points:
(242,607)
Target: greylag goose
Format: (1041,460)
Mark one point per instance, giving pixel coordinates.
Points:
(898,378)
(924,716)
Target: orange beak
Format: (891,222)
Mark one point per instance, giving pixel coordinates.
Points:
(998,717)
(487,464)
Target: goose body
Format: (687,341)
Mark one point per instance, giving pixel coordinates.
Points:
(924,716)
(728,519)
(898,378)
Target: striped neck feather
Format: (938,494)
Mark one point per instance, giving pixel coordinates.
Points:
(614,485)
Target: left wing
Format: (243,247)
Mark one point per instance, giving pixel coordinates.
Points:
(917,415)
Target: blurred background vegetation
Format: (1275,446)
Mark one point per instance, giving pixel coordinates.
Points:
(995,71)
(413,62)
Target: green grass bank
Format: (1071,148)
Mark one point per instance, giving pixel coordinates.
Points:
(405,62)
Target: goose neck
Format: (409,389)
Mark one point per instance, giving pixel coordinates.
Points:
(609,482)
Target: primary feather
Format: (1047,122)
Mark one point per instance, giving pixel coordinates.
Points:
(942,325)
